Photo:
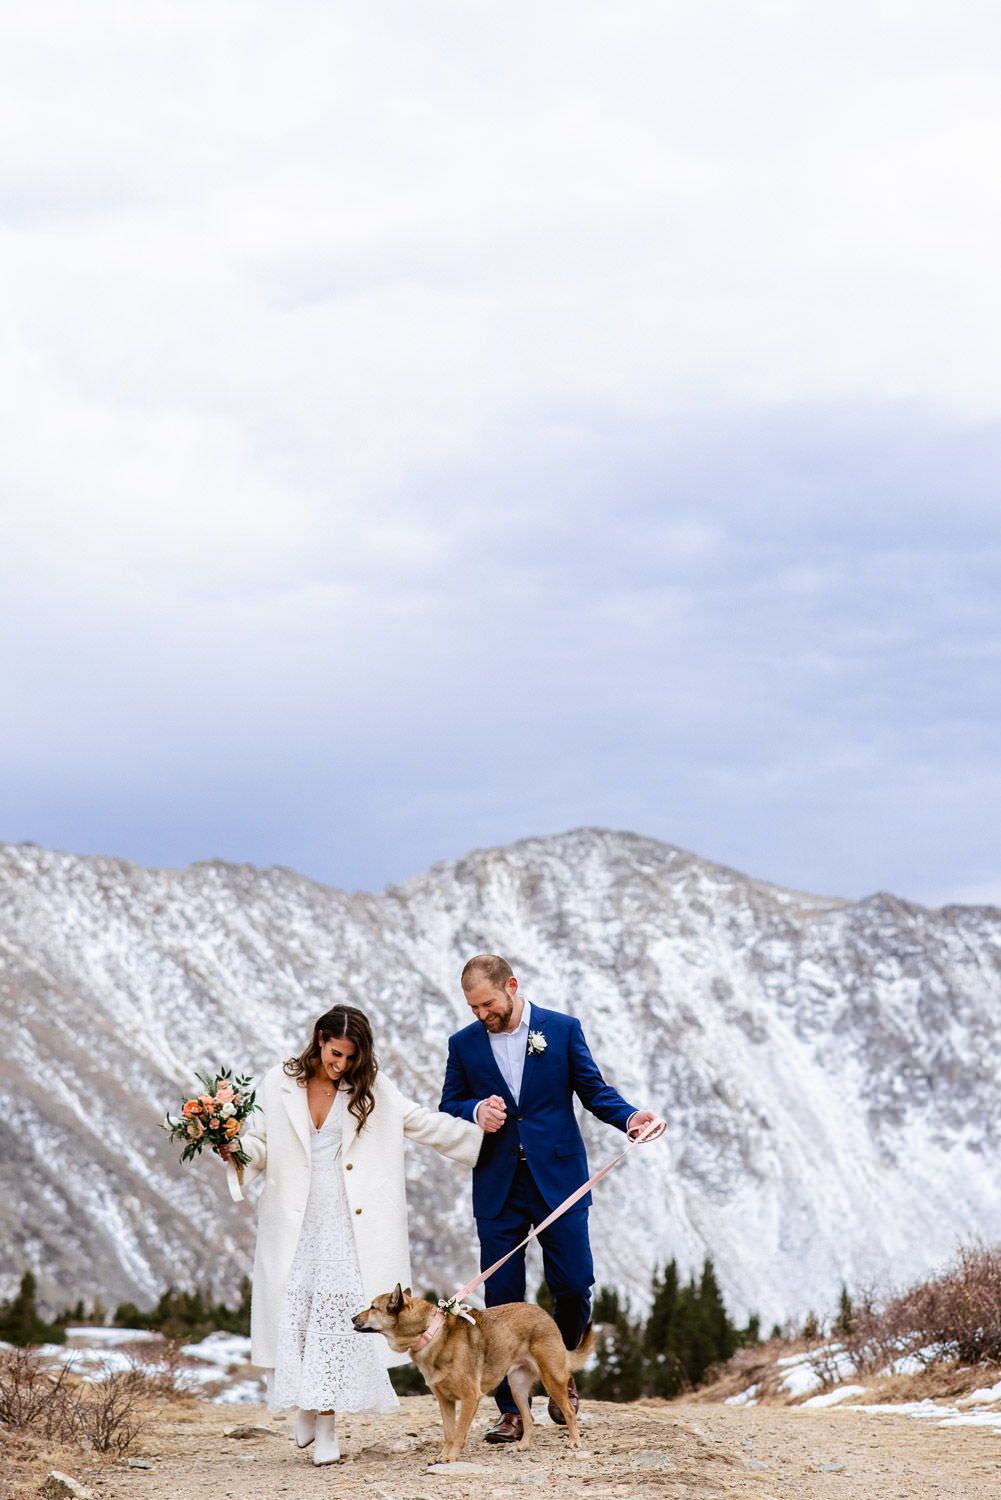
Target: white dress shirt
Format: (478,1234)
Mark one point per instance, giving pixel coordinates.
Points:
(510,1049)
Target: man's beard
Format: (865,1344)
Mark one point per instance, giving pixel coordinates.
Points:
(499,1023)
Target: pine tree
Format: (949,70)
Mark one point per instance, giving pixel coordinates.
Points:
(617,1374)
(544,1297)
(661,1371)
(845,1321)
(21,1322)
(751,1333)
(605,1308)
(722,1335)
(688,1332)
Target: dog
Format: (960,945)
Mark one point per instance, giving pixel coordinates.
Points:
(467,1359)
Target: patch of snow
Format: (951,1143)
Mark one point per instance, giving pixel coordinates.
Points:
(93,1364)
(223,1349)
(925,1409)
(983,1396)
(744,1398)
(831,1398)
(112,1336)
(907,1364)
(800,1379)
(974,1419)
(919,1360)
(806,1356)
(253,1391)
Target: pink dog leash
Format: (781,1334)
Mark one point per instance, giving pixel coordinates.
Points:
(453,1305)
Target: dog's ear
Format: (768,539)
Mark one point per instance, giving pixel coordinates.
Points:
(408,1292)
(395,1304)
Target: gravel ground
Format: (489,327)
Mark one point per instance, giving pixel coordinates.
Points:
(667,1450)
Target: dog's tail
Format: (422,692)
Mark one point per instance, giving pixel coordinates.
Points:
(578,1358)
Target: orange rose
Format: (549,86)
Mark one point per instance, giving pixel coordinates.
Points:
(214,1123)
(196,1129)
(232,1127)
(207,1101)
(193,1107)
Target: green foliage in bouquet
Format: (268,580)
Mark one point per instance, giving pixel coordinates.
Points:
(215,1117)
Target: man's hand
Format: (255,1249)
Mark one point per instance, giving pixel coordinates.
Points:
(491,1114)
(638,1121)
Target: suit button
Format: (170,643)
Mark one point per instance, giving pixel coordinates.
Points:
(348,1165)
(357,1210)
(520,1118)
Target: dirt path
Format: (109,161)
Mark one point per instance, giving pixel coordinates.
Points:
(672,1452)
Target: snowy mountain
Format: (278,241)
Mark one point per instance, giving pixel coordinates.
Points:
(828,1068)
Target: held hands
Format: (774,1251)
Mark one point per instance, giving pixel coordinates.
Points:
(491,1114)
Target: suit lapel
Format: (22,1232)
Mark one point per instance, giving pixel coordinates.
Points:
(483,1054)
(297,1109)
(532,1071)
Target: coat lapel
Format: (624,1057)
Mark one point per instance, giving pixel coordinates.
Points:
(350,1127)
(297,1108)
(483,1054)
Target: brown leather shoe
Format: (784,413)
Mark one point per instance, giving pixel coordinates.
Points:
(508,1428)
(554,1410)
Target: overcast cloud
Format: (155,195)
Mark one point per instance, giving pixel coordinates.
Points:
(426,425)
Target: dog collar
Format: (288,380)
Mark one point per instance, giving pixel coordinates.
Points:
(455,1307)
(436,1323)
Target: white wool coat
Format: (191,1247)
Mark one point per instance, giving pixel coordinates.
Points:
(277,1140)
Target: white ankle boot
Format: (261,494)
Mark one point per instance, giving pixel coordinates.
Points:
(305,1428)
(327,1449)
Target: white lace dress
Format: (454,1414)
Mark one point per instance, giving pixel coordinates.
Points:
(321,1364)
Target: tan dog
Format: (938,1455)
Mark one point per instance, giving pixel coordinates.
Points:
(465,1361)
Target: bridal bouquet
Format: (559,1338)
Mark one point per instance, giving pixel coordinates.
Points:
(214,1118)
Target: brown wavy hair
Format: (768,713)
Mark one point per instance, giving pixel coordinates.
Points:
(343,1023)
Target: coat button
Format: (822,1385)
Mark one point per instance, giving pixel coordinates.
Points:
(357,1210)
(348,1165)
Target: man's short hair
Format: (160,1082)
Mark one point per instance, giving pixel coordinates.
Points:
(489,966)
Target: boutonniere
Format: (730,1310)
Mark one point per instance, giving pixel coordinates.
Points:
(537,1043)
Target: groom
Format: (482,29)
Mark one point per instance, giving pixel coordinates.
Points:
(514,1071)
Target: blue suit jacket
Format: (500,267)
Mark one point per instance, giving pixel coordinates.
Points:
(542,1121)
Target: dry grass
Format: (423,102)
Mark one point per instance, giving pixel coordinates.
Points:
(948,1327)
(960,1309)
(103,1416)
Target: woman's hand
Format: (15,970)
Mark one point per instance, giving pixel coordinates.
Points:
(491,1114)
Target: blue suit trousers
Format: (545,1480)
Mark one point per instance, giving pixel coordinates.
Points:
(566,1262)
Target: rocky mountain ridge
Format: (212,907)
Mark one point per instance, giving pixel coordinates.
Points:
(828,1067)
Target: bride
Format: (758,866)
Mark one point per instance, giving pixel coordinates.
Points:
(328,1136)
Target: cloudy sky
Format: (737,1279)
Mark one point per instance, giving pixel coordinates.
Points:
(429,424)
